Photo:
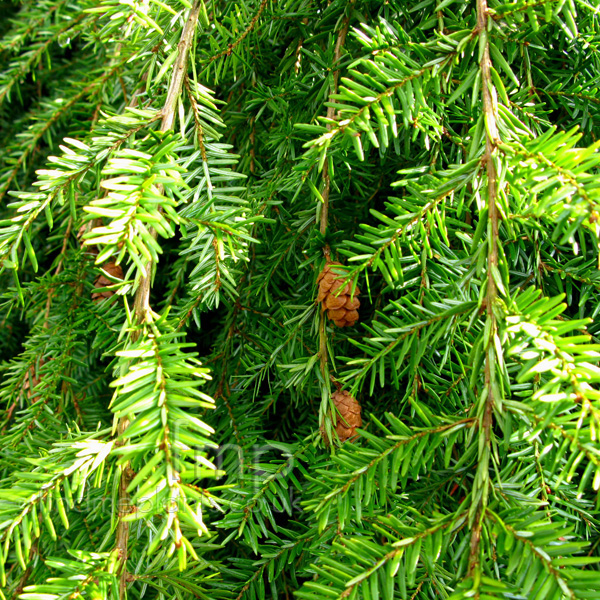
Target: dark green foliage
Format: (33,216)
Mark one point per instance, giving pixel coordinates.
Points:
(165,442)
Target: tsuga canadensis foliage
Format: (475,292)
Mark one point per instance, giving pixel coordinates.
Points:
(299,299)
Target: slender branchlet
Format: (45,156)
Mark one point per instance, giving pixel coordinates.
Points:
(341,38)
(486,415)
(142,297)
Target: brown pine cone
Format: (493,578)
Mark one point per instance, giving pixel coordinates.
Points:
(348,418)
(102,281)
(342,308)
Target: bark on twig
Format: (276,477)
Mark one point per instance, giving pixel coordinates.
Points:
(327,185)
(491,141)
(142,297)
(339,44)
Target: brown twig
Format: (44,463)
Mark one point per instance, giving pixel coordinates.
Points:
(57,271)
(327,185)
(197,121)
(486,419)
(124,508)
(25,576)
(252,145)
(330,115)
(142,297)
(238,41)
(298,53)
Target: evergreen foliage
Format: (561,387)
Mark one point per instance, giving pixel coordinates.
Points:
(176,439)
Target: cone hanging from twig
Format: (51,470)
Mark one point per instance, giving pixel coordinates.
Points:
(336,297)
(347,417)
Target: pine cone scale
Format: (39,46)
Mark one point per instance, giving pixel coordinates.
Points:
(336,297)
(347,418)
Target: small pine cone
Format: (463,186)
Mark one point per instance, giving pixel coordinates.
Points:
(102,281)
(348,418)
(341,306)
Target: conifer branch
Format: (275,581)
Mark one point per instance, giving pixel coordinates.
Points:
(24,68)
(490,366)
(124,508)
(477,354)
(32,26)
(337,53)
(94,86)
(298,52)
(142,297)
(231,47)
(324,217)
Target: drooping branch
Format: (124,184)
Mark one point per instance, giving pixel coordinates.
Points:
(179,69)
(124,508)
(486,415)
(341,38)
(142,297)
(339,44)
(38,133)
